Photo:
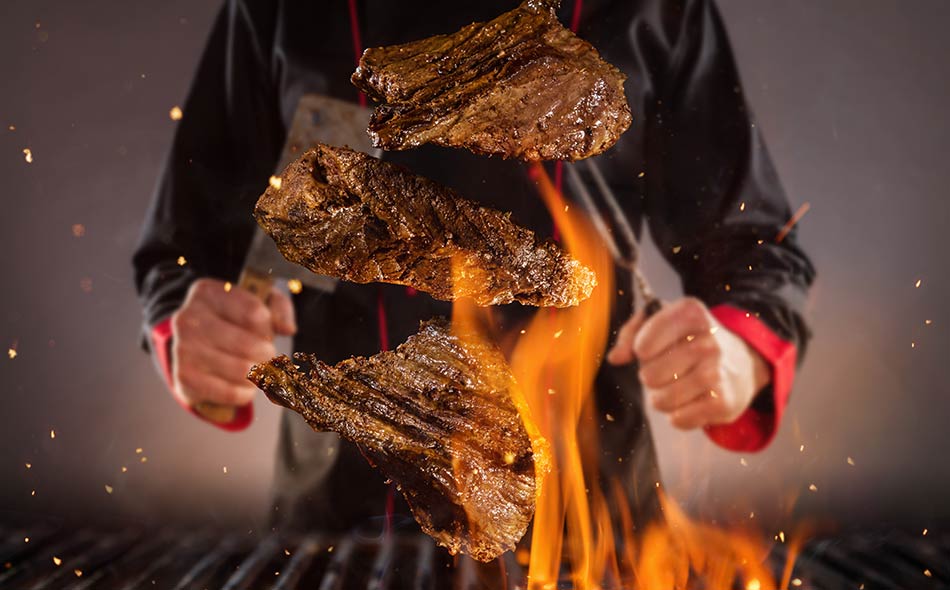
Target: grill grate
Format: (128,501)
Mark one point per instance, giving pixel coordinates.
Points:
(133,559)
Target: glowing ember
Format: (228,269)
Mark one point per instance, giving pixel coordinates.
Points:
(917,284)
(227,287)
(182,261)
(742,206)
(797,582)
(143,460)
(813,488)
(57,560)
(52,433)
(108,489)
(753,585)
(801,449)
(78,573)
(295,286)
(225,469)
(743,462)
(924,533)
(79,230)
(11,352)
(850,461)
(138,451)
(26,539)
(928,573)
(783,233)
(28,155)
(781,536)
(276,182)
(124,469)
(175,113)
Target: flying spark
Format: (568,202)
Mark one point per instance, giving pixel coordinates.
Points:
(295,286)
(28,155)
(108,489)
(225,469)
(175,113)
(787,228)
(742,206)
(182,261)
(57,560)
(52,433)
(558,333)
(138,451)
(29,465)
(78,573)
(797,582)
(276,182)
(11,353)
(917,284)
(813,488)
(227,287)
(850,461)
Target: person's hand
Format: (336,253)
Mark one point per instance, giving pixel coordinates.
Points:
(693,369)
(217,335)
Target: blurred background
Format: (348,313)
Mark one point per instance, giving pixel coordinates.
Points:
(851,96)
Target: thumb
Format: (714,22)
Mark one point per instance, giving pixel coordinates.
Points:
(283,318)
(622,351)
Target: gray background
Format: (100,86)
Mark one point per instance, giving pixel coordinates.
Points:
(851,95)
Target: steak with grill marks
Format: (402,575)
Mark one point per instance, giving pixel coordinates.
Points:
(520,86)
(440,417)
(348,215)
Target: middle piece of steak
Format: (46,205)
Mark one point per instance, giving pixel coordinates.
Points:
(348,215)
(440,417)
(520,86)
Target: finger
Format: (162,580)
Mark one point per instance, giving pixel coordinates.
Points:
(672,323)
(622,351)
(698,382)
(678,360)
(702,411)
(238,306)
(283,319)
(208,328)
(197,386)
(201,357)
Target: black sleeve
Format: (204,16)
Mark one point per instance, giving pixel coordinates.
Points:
(714,204)
(223,152)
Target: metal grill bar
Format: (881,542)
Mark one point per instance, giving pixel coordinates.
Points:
(299,563)
(168,556)
(252,565)
(132,560)
(379,577)
(336,569)
(206,564)
(425,572)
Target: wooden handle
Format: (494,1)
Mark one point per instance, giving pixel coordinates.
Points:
(260,285)
(257,283)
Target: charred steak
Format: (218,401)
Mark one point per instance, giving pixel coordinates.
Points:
(439,416)
(520,86)
(346,214)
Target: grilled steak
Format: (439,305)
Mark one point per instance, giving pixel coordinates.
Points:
(439,417)
(520,86)
(345,214)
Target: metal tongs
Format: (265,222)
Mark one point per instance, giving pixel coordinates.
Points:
(619,235)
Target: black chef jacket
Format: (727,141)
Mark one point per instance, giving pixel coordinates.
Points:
(691,156)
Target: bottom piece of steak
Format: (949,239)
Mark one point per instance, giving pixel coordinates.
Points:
(439,416)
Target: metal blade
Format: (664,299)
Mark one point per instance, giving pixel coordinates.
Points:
(318,119)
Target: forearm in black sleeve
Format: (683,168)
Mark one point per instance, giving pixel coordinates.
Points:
(223,151)
(714,203)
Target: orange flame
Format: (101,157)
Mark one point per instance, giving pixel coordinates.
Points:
(555,360)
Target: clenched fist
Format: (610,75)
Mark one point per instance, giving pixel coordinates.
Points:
(218,334)
(693,369)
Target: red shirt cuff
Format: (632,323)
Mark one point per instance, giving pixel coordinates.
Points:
(162,334)
(755,429)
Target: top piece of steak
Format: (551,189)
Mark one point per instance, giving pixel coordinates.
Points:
(348,215)
(520,86)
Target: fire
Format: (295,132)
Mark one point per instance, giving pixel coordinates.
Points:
(555,359)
